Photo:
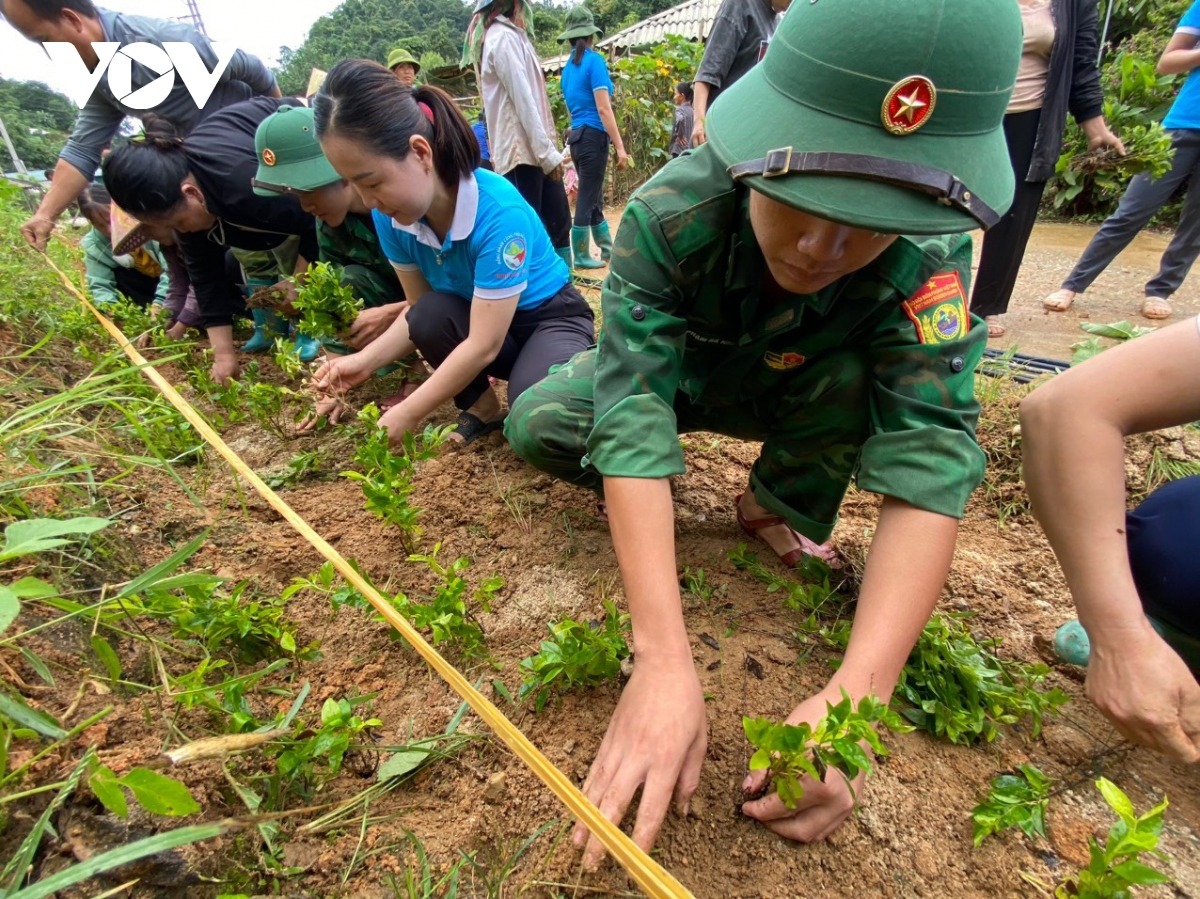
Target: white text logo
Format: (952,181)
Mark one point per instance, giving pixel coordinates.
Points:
(165,61)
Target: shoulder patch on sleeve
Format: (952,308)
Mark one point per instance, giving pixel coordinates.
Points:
(939,309)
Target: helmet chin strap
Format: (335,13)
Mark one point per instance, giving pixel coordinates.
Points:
(943,186)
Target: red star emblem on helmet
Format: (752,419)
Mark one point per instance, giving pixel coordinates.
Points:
(909,104)
(268,157)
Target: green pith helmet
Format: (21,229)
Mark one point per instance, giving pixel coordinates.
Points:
(880,114)
(289,157)
(580,24)
(400,55)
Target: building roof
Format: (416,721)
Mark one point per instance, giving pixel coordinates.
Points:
(691,19)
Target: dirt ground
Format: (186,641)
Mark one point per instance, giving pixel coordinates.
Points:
(912,836)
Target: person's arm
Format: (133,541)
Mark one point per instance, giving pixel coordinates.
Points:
(720,51)
(1181,55)
(98,270)
(68,182)
(205,263)
(1086,100)
(510,70)
(1073,432)
(700,92)
(604,107)
(250,69)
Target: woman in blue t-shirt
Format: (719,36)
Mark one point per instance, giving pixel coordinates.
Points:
(587,88)
(493,298)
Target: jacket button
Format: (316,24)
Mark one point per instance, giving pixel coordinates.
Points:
(638,313)
(957,364)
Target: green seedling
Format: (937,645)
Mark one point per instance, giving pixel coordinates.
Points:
(1014,800)
(328,582)
(301,467)
(327,307)
(446,614)
(287,357)
(1116,866)
(962,691)
(576,655)
(326,747)
(792,752)
(156,793)
(815,594)
(696,584)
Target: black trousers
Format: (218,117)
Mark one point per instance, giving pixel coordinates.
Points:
(1163,535)
(537,338)
(548,198)
(140,288)
(1004,245)
(589,151)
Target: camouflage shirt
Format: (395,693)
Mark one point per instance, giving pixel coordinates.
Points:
(686,320)
(354,242)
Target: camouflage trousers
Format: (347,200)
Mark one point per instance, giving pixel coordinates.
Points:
(374,290)
(812,433)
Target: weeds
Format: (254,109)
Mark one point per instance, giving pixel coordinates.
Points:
(792,752)
(1014,800)
(576,655)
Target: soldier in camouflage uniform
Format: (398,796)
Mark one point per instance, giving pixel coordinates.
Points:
(760,288)
(291,161)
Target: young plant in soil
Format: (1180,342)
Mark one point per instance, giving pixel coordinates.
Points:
(288,358)
(962,691)
(1116,866)
(327,307)
(447,615)
(815,593)
(387,478)
(1014,800)
(317,755)
(576,655)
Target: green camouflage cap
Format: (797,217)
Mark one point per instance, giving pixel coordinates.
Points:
(881,114)
(289,157)
(579,24)
(400,55)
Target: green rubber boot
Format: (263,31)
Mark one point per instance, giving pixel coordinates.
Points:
(581,243)
(268,324)
(603,238)
(1071,643)
(564,253)
(307,348)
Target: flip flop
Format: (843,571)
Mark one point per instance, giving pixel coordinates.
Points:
(1156,308)
(471,427)
(995,329)
(1059,301)
(792,557)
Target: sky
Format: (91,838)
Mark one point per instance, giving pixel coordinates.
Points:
(260,27)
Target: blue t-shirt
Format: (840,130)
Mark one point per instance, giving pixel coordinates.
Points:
(481,136)
(1185,111)
(579,82)
(497,247)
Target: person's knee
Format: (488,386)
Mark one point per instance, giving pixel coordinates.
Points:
(529,427)
(427,318)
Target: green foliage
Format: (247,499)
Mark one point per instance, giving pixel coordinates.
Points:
(815,594)
(792,752)
(696,584)
(1119,332)
(156,793)
(287,357)
(301,467)
(576,655)
(418,880)
(249,397)
(1116,866)
(323,750)
(446,614)
(962,691)
(38,121)
(387,478)
(327,307)
(1014,800)
(327,581)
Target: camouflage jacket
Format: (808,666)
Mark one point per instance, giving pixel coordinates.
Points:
(685,321)
(354,242)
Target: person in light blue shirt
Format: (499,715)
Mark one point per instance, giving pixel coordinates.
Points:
(494,300)
(588,89)
(481,135)
(1146,194)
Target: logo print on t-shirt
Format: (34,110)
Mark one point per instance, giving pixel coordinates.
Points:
(514,253)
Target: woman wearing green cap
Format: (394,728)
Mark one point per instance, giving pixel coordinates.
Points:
(765,286)
(404,66)
(587,88)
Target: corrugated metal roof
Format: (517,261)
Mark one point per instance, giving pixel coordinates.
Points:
(691,19)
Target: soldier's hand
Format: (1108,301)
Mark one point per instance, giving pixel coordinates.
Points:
(37,232)
(371,323)
(698,135)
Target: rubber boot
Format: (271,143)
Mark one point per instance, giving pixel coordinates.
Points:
(603,238)
(307,348)
(1071,643)
(581,243)
(268,324)
(564,253)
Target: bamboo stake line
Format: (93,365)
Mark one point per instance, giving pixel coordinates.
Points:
(653,879)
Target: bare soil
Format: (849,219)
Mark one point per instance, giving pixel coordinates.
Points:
(912,836)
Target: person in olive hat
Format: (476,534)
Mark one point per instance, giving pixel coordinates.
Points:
(587,90)
(800,280)
(291,163)
(404,66)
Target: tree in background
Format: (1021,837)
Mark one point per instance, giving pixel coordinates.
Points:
(38,121)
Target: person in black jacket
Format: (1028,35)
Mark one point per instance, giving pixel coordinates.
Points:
(201,187)
(1058,74)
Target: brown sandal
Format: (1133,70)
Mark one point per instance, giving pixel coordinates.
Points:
(792,557)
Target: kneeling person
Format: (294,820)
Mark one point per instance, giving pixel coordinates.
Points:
(760,288)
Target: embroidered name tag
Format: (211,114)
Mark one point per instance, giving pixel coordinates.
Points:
(939,309)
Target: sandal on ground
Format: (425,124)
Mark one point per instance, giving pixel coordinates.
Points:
(471,427)
(407,389)
(1156,308)
(1059,301)
(995,329)
(793,557)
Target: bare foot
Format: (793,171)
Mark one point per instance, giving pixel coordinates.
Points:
(487,409)
(781,538)
(1059,301)
(1156,308)
(995,329)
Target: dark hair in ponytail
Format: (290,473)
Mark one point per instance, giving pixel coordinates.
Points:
(95,205)
(363,102)
(685,88)
(578,46)
(145,177)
